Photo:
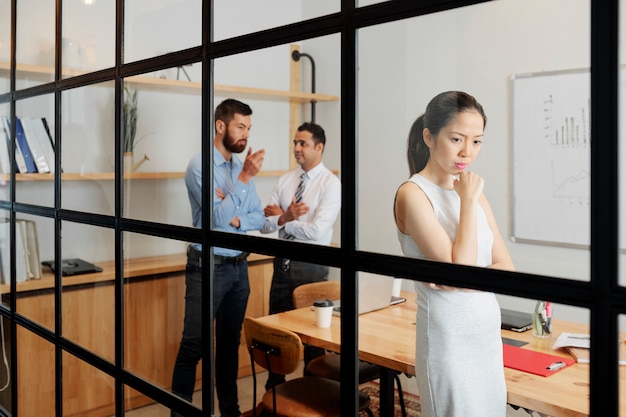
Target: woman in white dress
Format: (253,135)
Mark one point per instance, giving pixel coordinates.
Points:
(442,215)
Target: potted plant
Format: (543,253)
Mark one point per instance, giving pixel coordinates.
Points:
(130,119)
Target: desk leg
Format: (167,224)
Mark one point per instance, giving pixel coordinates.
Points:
(386,392)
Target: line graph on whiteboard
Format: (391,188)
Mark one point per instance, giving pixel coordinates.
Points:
(572,187)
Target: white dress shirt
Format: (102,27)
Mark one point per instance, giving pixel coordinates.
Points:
(323,196)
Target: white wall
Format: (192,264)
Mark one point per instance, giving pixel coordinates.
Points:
(476,49)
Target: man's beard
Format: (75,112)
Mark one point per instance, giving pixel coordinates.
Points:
(232,146)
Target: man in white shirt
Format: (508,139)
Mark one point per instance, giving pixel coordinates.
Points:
(303,207)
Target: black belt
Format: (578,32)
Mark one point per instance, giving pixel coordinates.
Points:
(196,255)
(231,260)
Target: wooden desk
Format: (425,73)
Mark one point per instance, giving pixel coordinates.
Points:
(154,297)
(387,338)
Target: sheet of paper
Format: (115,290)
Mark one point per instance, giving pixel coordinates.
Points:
(579,340)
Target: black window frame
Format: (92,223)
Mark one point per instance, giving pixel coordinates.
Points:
(602,295)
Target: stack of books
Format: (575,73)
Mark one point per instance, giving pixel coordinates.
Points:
(34,150)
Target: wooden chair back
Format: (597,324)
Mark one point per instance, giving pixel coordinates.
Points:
(272,347)
(306,294)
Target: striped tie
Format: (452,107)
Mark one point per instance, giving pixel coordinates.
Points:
(298,196)
(300,189)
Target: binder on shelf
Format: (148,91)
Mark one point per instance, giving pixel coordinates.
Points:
(20,138)
(34,144)
(20,229)
(45,140)
(5,253)
(5,159)
(31,246)
(47,127)
(20,164)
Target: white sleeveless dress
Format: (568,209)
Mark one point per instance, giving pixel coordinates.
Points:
(458,362)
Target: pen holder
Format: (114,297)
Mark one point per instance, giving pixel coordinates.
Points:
(542,319)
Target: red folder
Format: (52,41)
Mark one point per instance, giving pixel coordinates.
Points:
(537,363)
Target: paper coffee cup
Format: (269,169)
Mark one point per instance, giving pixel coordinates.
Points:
(323,312)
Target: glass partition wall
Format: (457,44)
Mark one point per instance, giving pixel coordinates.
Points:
(118,101)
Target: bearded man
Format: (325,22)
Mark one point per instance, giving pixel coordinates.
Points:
(237,209)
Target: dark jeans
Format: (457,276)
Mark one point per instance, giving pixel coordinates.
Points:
(287,276)
(231,289)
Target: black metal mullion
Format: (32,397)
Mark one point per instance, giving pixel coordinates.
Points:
(208,326)
(349,215)
(58,281)
(12,283)
(119,204)
(604,398)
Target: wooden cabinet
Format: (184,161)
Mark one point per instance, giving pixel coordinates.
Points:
(154,294)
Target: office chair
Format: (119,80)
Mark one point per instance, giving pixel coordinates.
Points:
(279,350)
(305,294)
(328,366)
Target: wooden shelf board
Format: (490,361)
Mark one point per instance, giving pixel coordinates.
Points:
(293,96)
(92,176)
(110,176)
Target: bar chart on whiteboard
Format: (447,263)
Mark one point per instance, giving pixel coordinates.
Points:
(551,138)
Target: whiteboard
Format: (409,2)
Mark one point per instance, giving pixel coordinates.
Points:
(551,158)
(551,136)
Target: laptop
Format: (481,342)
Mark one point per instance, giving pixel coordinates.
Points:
(516,320)
(74,266)
(375,292)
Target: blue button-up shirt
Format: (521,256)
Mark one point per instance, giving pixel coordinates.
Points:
(240,200)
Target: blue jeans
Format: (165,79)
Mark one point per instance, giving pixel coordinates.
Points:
(231,289)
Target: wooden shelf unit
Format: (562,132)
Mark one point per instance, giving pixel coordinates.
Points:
(294,96)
